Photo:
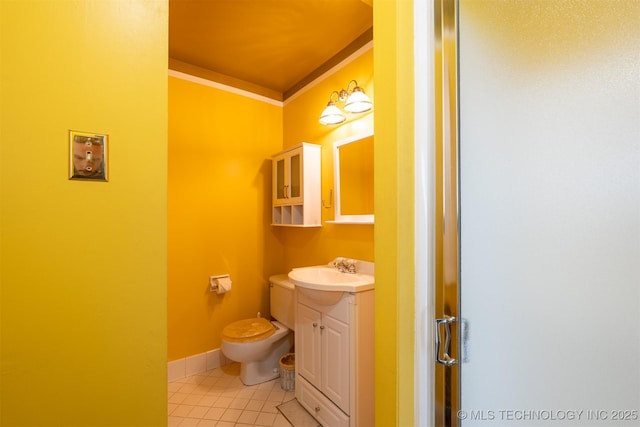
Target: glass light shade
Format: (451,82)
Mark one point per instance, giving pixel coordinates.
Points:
(358,102)
(332,115)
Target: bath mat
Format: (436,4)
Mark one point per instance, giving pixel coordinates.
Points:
(297,415)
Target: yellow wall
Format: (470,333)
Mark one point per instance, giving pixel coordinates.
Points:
(220,144)
(83,264)
(394,203)
(301,113)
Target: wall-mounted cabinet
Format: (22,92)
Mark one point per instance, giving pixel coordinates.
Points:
(296,187)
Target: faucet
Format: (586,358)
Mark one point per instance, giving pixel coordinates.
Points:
(345,265)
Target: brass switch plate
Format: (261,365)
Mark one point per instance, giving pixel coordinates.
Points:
(88,156)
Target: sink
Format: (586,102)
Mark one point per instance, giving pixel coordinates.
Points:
(325,285)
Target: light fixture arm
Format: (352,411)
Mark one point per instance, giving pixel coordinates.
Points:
(338,97)
(344,93)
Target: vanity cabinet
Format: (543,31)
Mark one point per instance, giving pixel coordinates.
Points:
(296,186)
(334,359)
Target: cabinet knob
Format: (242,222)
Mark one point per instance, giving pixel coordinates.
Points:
(322,327)
(317,408)
(315,324)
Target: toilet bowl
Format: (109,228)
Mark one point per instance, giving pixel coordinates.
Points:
(258,358)
(258,343)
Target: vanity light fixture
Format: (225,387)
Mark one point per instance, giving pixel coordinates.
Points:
(355,101)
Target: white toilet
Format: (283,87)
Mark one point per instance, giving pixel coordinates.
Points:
(258,343)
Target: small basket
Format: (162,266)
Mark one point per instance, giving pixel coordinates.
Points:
(288,372)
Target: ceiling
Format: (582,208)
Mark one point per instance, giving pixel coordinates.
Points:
(271,47)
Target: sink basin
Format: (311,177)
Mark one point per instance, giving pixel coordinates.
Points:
(325,285)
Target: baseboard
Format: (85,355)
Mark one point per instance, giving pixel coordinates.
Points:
(191,365)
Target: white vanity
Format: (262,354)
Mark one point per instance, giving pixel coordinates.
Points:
(335,344)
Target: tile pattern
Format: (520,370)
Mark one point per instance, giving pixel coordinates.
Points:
(218,398)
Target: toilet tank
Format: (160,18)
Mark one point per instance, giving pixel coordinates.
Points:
(282,300)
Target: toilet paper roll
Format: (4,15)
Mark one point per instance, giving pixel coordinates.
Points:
(224,285)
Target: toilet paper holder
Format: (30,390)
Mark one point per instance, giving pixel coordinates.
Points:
(214,286)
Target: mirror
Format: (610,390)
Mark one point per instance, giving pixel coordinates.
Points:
(353,179)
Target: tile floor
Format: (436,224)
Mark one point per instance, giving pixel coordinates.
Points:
(218,398)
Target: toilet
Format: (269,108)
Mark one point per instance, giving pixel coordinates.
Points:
(258,343)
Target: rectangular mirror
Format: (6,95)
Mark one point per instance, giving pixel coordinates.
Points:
(353,179)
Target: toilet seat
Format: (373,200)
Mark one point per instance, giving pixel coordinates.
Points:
(248,330)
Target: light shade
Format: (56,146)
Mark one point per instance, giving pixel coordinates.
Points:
(332,115)
(358,102)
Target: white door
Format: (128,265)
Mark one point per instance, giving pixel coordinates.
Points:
(549,145)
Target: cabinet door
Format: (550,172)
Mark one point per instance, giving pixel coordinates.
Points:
(295,177)
(288,178)
(280,171)
(335,361)
(308,344)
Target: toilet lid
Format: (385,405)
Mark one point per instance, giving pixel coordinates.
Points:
(248,330)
